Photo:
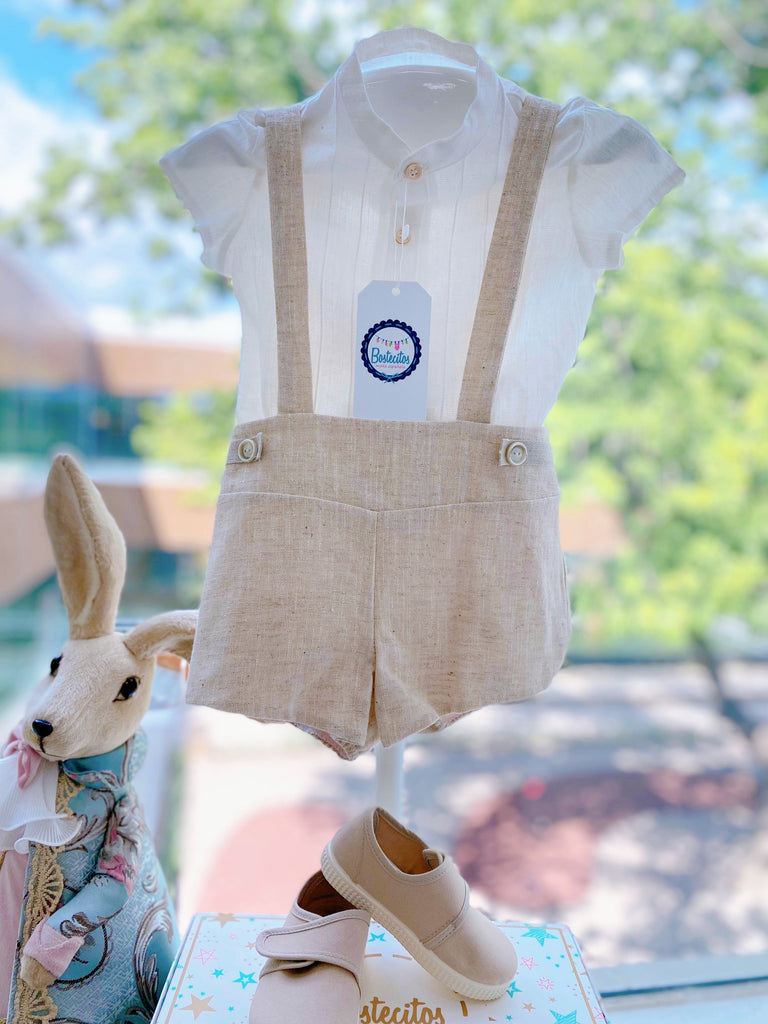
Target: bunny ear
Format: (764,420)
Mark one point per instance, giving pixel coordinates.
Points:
(172,632)
(88,547)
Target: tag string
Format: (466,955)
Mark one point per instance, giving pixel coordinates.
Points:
(403,225)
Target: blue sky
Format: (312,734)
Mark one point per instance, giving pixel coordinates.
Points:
(107,273)
(43,65)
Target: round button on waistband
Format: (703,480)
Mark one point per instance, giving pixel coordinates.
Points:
(413,171)
(515,453)
(247,450)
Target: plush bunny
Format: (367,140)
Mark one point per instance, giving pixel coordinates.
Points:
(87,930)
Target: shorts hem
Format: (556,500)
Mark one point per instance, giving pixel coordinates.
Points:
(347,749)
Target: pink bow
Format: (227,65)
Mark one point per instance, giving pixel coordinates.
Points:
(29,758)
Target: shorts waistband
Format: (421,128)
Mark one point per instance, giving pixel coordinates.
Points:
(388,464)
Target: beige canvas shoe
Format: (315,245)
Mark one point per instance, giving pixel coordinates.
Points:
(418,895)
(314,963)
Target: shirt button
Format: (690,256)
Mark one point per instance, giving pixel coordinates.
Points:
(403,237)
(515,453)
(413,171)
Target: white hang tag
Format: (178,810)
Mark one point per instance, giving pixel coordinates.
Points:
(392,351)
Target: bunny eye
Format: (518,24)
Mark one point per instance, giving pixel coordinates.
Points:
(127,690)
(55,662)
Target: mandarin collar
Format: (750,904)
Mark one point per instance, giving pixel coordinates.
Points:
(486,108)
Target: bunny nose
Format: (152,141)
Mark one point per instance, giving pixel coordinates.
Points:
(42,728)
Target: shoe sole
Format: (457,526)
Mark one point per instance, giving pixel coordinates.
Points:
(363,900)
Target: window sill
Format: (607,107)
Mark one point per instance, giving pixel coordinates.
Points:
(706,990)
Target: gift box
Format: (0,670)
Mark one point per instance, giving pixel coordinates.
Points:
(217,971)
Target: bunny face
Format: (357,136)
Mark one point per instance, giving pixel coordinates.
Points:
(93,700)
(100,686)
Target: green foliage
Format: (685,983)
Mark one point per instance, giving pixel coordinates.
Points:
(203,421)
(163,69)
(664,419)
(664,416)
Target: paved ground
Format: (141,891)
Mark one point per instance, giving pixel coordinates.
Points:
(620,801)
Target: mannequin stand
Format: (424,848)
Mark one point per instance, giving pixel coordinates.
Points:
(389,778)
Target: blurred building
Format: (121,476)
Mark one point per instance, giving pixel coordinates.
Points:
(65,385)
(62,385)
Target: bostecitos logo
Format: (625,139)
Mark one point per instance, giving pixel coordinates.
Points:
(391,350)
(414,1012)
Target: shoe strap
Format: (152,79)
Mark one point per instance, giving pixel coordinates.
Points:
(338,939)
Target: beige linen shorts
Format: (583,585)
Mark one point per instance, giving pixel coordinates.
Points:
(371,579)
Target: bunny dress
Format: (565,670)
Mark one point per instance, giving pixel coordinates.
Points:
(99,893)
(372,578)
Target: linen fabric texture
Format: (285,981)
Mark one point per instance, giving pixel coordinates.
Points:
(371,579)
(605,173)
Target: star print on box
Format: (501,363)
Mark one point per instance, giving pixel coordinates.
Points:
(245,980)
(224,919)
(540,934)
(204,955)
(198,1006)
(394,986)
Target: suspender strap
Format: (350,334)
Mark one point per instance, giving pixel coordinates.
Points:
(503,268)
(289,259)
(501,279)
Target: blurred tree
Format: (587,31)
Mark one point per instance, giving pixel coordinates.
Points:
(163,69)
(664,416)
(664,419)
(204,421)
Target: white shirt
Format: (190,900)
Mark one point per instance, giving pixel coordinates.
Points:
(604,174)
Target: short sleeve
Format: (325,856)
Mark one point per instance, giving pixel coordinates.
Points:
(213,175)
(616,176)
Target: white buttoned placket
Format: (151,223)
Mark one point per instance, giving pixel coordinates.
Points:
(403,232)
(382,140)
